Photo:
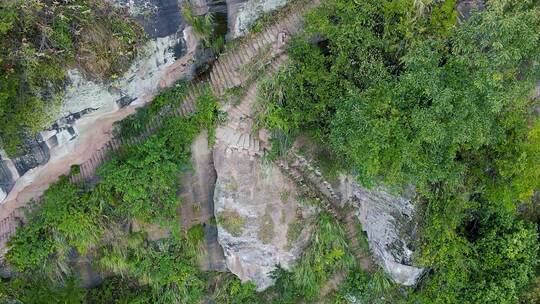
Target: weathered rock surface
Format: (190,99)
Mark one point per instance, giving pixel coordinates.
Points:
(242,13)
(159,18)
(261,223)
(390,227)
(257,210)
(197,196)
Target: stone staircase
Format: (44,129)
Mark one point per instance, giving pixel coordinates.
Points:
(227,73)
(311,180)
(237,134)
(8,226)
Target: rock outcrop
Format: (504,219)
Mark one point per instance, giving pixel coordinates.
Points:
(242,13)
(386,219)
(261,223)
(261,220)
(390,227)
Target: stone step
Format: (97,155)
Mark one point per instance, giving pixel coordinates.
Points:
(234,80)
(183,109)
(213,79)
(246,58)
(177,112)
(260,43)
(249,51)
(220,77)
(189,106)
(252,46)
(236,61)
(245,143)
(193,103)
(230,64)
(223,76)
(239,140)
(199,88)
(274,29)
(251,144)
(191,96)
(268,39)
(258,145)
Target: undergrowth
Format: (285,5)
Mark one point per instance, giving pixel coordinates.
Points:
(138,185)
(41,40)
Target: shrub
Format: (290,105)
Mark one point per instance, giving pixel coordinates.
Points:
(327,254)
(65,219)
(231,221)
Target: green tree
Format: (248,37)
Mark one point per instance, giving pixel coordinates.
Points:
(65,219)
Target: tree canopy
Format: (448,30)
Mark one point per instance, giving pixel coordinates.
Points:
(403,96)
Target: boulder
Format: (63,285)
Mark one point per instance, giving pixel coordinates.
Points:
(390,227)
(261,223)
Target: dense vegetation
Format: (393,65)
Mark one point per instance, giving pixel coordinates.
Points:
(40,40)
(400,93)
(406,96)
(136,193)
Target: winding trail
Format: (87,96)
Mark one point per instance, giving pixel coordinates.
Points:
(233,69)
(259,54)
(313,183)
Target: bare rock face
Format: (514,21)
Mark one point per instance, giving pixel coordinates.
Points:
(160,18)
(261,224)
(242,13)
(391,230)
